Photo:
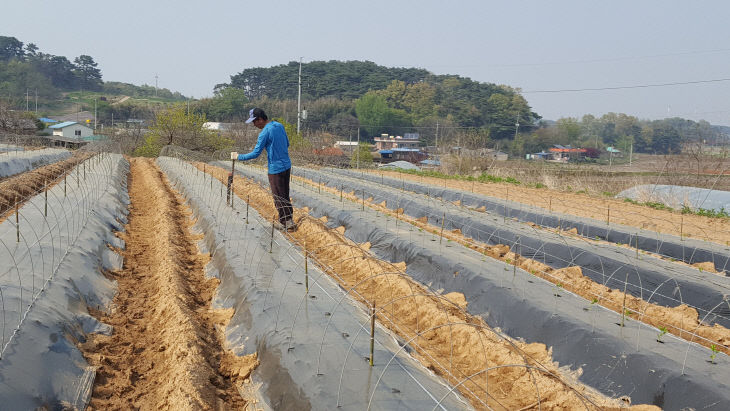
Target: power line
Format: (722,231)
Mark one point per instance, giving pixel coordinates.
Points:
(627,87)
(597,60)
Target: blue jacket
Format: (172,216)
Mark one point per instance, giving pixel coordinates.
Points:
(272,138)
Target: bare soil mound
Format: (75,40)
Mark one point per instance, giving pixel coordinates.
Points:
(166,349)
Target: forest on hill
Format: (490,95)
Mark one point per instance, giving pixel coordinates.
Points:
(343,97)
(24,68)
(340,95)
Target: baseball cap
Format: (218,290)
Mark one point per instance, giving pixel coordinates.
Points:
(255,113)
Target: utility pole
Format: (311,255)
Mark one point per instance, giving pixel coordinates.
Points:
(156,77)
(299,97)
(517,126)
(358,148)
(26,99)
(631,153)
(437,136)
(94,114)
(36,101)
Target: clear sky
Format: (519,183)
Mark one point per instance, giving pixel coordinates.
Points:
(534,45)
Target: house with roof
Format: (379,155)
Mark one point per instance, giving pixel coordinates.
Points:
(346,146)
(71,129)
(565,153)
(386,142)
(71,134)
(412,155)
(48,121)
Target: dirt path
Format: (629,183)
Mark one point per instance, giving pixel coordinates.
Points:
(165,351)
(613,211)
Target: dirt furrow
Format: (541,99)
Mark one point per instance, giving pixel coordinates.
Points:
(455,345)
(583,205)
(682,321)
(20,187)
(166,349)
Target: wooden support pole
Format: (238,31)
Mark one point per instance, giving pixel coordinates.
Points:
(45,205)
(248,200)
(623,305)
(372,334)
(681,226)
(233,174)
(17,219)
(306,267)
(443,220)
(271,245)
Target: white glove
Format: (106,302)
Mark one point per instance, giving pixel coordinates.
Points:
(234,155)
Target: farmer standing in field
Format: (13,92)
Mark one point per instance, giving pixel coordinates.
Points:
(273,138)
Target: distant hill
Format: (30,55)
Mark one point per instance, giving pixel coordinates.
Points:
(58,84)
(390,99)
(338,79)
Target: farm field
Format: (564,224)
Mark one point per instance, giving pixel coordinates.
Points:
(608,210)
(151,285)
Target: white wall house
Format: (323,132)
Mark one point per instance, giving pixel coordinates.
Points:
(70,134)
(71,129)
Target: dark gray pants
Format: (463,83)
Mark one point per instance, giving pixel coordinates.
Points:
(279,184)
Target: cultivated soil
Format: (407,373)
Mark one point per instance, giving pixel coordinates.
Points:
(166,350)
(682,321)
(610,210)
(446,339)
(18,188)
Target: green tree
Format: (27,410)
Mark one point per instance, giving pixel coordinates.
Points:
(10,48)
(175,126)
(89,76)
(31,50)
(665,139)
(625,142)
(228,104)
(361,156)
(394,94)
(569,130)
(373,112)
(420,101)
